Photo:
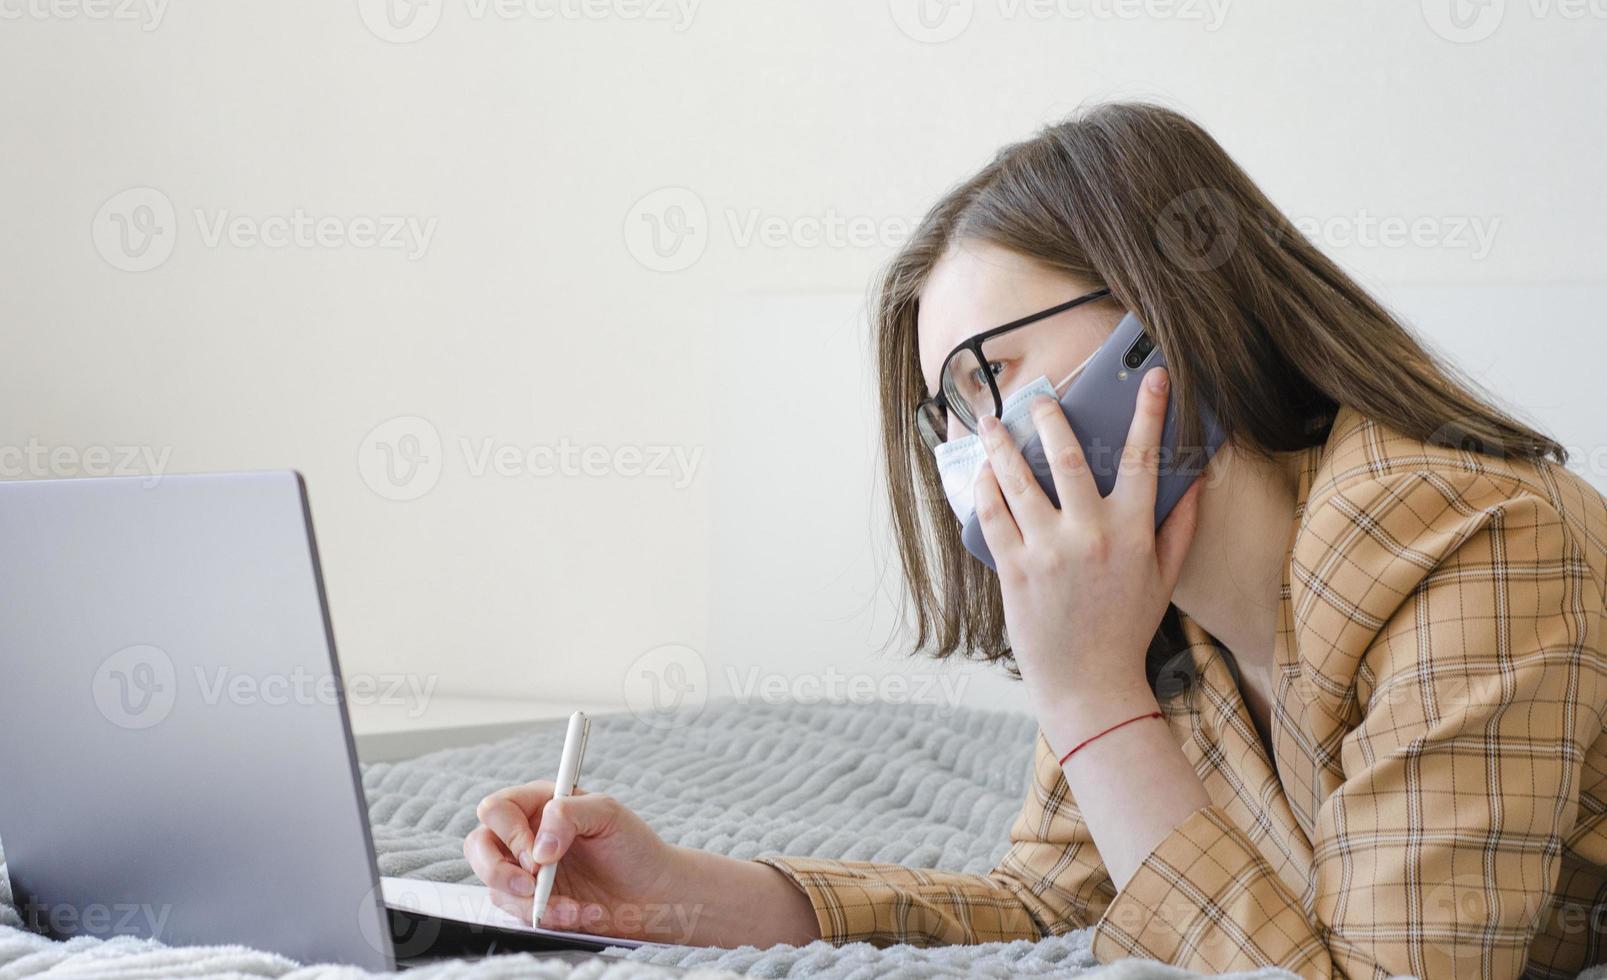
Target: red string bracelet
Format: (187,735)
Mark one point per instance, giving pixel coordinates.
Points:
(1152,714)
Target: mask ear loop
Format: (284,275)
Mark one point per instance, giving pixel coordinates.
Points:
(1075,371)
(1063,381)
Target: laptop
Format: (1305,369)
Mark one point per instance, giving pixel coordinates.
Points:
(180,764)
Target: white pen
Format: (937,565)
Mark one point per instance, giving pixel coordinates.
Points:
(568,778)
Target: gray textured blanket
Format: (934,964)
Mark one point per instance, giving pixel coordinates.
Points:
(916,785)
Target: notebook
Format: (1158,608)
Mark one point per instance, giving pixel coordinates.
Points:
(471,905)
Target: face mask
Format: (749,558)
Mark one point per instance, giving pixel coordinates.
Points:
(960,460)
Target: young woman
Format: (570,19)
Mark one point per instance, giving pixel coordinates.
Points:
(1360,665)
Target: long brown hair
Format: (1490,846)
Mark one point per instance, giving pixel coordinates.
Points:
(1256,322)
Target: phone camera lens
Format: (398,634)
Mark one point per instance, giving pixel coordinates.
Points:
(1137,353)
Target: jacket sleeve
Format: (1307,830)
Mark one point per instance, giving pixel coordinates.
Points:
(1478,689)
(1050,881)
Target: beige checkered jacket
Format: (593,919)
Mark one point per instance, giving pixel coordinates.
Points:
(1437,803)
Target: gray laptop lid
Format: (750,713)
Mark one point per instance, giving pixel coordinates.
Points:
(177,764)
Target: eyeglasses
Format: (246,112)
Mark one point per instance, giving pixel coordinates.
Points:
(968,383)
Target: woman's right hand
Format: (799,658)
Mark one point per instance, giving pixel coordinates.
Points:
(615,869)
(616,877)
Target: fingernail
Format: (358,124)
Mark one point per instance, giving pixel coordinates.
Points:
(523,886)
(546,847)
(1157,380)
(987,425)
(527,862)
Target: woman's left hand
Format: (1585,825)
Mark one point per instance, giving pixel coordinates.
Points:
(1085,586)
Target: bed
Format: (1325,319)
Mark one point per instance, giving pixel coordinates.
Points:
(920,785)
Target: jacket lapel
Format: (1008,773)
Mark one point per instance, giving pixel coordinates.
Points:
(1239,777)
(1275,801)
(1307,771)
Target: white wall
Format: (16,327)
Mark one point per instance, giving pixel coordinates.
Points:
(537,151)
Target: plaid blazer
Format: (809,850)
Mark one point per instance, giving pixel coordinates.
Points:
(1434,802)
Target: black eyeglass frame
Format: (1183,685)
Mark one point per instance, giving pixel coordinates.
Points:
(973,344)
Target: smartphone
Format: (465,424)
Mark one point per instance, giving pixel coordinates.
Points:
(1099,404)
